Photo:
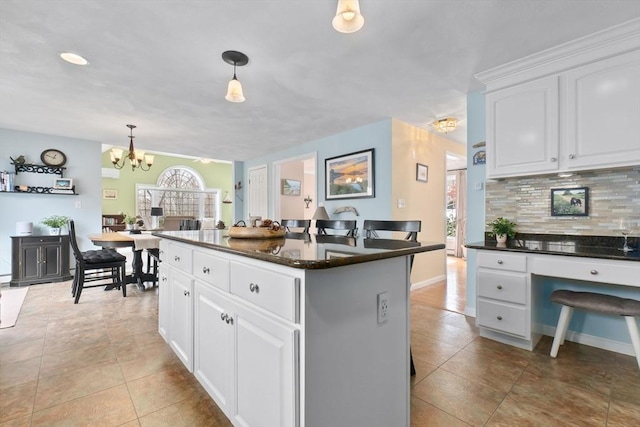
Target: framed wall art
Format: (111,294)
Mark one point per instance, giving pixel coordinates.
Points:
(290,187)
(63,184)
(422,172)
(350,176)
(110,194)
(570,201)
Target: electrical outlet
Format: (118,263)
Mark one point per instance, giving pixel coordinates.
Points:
(383,307)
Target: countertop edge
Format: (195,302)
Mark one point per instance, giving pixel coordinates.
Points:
(310,265)
(582,254)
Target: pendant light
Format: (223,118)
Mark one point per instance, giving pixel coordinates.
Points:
(445,125)
(136,157)
(234,90)
(348,18)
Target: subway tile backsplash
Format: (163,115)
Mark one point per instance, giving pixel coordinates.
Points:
(613,193)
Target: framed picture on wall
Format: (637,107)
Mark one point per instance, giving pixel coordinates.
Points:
(570,201)
(350,176)
(63,184)
(290,187)
(110,194)
(422,172)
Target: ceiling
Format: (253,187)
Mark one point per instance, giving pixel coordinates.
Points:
(158,65)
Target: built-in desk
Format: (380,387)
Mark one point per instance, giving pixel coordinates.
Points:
(510,302)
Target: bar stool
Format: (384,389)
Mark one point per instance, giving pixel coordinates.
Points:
(153,256)
(608,304)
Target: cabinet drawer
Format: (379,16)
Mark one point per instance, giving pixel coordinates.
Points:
(503,317)
(273,291)
(502,261)
(589,269)
(501,286)
(211,269)
(179,256)
(38,240)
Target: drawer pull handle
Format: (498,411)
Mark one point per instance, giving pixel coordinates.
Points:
(223,316)
(499,317)
(176,258)
(594,272)
(572,156)
(554,159)
(229,320)
(499,287)
(187,293)
(164,278)
(253,287)
(205,270)
(500,261)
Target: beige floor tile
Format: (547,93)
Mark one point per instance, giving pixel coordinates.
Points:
(522,413)
(111,407)
(499,353)
(160,390)
(424,414)
(623,414)
(21,351)
(199,410)
(147,360)
(17,401)
(437,352)
(69,360)
(18,422)
(464,399)
(20,372)
(445,333)
(57,389)
(26,330)
(75,341)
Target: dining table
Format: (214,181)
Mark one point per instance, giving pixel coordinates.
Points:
(138,242)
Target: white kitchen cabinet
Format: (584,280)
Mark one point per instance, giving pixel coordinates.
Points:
(602,111)
(164,310)
(522,129)
(570,108)
(266,367)
(181,316)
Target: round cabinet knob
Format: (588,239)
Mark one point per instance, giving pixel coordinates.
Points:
(554,159)
(594,272)
(500,261)
(176,258)
(572,156)
(205,270)
(499,287)
(223,316)
(229,320)
(164,278)
(187,293)
(499,317)
(253,287)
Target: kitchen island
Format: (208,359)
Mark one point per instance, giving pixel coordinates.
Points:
(299,331)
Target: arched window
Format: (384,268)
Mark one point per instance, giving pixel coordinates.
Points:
(180,191)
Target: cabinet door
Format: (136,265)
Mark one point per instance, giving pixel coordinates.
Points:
(266,371)
(30,256)
(51,260)
(164,307)
(213,358)
(181,317)
(602,111)
(522,129)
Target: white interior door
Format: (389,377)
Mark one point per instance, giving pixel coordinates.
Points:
(258,202)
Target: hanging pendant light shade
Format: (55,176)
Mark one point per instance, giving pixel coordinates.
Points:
(137,158)
(234,89)
(348,18)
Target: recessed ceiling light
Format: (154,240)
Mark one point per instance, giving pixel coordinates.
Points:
(73,58)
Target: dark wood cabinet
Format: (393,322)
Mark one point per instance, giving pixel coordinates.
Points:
(39,259)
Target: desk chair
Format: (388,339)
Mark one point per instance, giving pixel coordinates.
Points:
(412,228)
(296,223)
(96,265)
(335,224)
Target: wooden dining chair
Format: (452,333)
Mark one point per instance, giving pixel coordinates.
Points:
(412,228)
(337,224)
(296,223)
(96,266)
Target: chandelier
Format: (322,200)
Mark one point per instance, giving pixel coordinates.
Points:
(445,125)
(136,157)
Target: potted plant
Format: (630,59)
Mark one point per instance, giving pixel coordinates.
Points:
(129,220)
(55,223)
(502,228)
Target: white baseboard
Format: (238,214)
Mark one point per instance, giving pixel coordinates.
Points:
(429,282)
(593,341)
(470,311)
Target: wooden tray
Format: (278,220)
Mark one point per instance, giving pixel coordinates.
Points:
(255,233)
(270,246)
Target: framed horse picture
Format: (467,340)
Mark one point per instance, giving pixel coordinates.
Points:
(570,201)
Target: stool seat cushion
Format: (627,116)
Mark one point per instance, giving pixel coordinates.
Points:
(597,302)
(102,256)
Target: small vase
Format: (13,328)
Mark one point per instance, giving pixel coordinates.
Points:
(501,238)
(53,231)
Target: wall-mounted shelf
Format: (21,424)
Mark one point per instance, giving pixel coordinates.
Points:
(32,168)
(44,190)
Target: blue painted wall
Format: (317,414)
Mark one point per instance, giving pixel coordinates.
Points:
(376,136)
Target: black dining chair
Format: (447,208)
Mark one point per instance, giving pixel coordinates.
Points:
(96,265)
(412,228)
(304,224)
(337,224)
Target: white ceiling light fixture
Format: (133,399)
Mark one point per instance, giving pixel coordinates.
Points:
(234,90)
(348,18)
(445,125)
(73,58)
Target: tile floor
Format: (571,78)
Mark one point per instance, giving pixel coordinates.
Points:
(102,363)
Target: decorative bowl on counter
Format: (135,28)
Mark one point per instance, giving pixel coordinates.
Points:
(255,232)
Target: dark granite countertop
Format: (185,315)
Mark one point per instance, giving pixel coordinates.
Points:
(301,250)
(605,247)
